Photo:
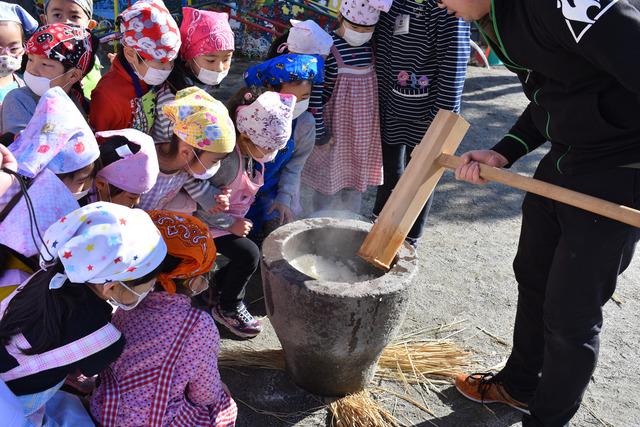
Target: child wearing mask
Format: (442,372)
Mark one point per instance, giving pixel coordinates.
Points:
(124,97)
(58,55)
(307,37)
(279,196)
(101,252)
(263,126)
(340,171)
(203,135)
(15,24)
(204,61)
(194,394)
(56,156)
(75,12)
(128,167)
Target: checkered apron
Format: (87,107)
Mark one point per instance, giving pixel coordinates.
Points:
(189,415)
(354,160)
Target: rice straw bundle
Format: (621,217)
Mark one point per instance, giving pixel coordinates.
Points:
(247,357)
(360,410)
(419,361)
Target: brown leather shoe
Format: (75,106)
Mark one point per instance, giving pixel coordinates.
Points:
(485,388)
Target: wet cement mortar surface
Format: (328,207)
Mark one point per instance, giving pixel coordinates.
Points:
(465,274)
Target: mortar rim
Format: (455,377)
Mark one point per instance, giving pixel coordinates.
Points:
(396,279)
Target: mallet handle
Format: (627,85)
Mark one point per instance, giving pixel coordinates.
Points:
(573,198)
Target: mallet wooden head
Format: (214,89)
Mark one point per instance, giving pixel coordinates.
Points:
(413,189)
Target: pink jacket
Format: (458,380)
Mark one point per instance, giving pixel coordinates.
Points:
(194,392)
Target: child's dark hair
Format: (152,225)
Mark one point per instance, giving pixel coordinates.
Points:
(41,311)
(278,87)
(72,174)
(108,155)
(95,45)
(174,146)
(245,96)
(275,45)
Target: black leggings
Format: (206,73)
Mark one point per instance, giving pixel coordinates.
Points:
(231,280)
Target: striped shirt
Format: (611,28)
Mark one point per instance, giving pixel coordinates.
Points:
(419,72)
(359,56)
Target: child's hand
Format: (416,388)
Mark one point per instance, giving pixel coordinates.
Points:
(226,389)
(286,214)
(84,385)
(327,146)
(222,201)
(241,227)
(7,159)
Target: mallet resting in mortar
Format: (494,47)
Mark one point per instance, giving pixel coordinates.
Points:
(429,161)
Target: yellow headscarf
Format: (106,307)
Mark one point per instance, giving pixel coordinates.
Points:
(201,121)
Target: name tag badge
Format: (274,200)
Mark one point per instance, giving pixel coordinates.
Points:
(402,25)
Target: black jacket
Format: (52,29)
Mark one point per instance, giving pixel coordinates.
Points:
(579,64)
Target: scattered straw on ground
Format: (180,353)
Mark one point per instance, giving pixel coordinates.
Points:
(360,410)
(413,361)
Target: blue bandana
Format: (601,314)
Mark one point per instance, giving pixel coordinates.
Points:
(286,68)
(15,13)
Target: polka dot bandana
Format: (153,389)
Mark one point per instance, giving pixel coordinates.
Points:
(148,27)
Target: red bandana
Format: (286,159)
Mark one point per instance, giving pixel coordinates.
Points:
(67,44)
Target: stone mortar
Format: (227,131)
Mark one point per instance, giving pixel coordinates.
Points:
(332,333)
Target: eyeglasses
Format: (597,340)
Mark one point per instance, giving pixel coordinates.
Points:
(13,50)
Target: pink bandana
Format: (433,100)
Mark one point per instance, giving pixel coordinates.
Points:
(204,32)
(267,121)
(135,173)
(148,27)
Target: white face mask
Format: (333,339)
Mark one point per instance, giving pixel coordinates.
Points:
(266,158)
(9,64)
(79,195)
(127,307)
(39,85)
(355,38)
(153,76)
(300,108)
(208,173)
(211,78)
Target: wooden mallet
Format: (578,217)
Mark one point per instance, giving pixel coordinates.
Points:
(428,162)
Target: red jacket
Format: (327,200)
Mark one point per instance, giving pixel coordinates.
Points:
(112,101)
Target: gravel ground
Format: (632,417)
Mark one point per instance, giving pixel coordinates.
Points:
(465,274)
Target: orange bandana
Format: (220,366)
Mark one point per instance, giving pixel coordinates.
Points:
(187,238)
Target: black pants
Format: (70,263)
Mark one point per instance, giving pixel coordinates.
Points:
(395,159)
(566,266)
(231,280)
